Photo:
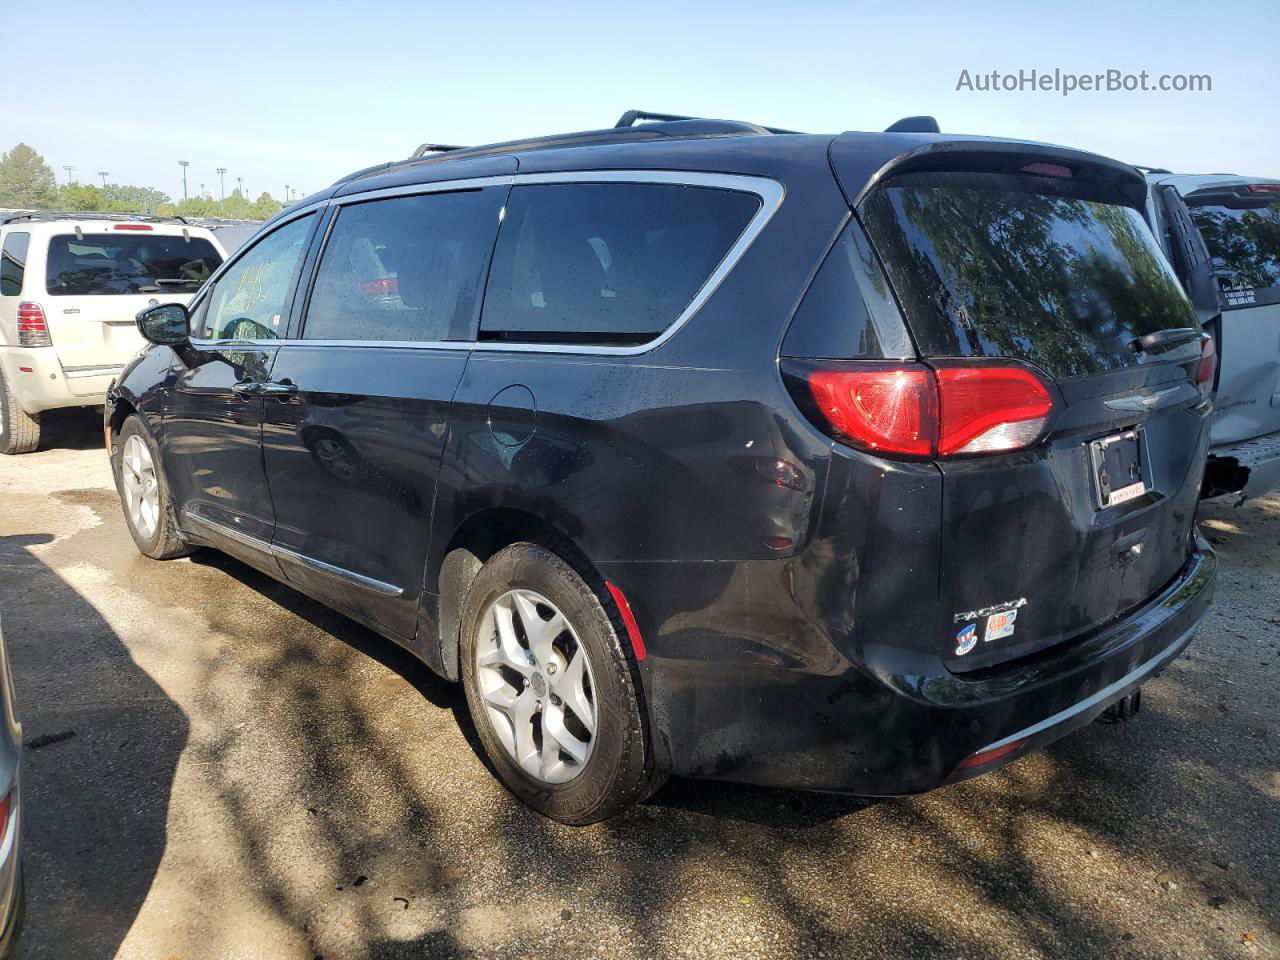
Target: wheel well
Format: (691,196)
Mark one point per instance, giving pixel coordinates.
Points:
(121,410)
(478,539)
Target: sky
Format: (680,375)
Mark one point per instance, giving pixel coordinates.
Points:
(301,93)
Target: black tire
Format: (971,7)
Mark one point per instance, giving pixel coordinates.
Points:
(619,771)
(165,541)
(19,430)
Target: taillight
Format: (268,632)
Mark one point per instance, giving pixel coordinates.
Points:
(33,329)
(913,410)
(885,409)
(132,226)
(990,409)
(1263,188)
(1208,365)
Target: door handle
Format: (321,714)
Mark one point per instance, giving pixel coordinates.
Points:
(280,389)
(247,388)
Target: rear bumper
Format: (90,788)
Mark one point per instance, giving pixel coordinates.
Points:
(39,382)
(824,723)
(1252,466)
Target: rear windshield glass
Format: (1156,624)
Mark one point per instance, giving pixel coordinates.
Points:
(1246,237)
(107,263)
(1009,266)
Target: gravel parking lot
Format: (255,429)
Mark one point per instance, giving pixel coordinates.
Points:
(243,774)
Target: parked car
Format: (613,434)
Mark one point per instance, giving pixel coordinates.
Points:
(13,899)
(862,463)
(1222,233)
(70,285)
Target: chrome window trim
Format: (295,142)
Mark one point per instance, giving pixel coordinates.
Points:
(283,553)
(771,193)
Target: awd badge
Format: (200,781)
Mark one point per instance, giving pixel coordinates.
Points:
(966,639)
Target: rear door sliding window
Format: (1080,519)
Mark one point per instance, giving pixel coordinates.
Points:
(407,268)
(606,263)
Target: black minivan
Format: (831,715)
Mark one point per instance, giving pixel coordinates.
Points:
(860,463)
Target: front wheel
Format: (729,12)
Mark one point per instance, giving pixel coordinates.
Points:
(144,493)
(551,690)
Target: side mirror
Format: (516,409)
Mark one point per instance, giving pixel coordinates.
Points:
(168,324)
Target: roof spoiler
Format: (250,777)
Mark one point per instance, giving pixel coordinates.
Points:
(861,163)
(920,124)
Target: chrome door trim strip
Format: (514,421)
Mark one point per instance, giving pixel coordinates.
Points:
(231,533)
(338,573)
(283,553)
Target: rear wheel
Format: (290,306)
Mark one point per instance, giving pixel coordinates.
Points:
(19,430)
(144,494)
(551,689)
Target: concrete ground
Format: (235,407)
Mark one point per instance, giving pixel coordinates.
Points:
(252,776)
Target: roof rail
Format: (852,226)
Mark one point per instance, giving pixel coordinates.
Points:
(629,118)
(39,215)
(426,148)
(921,124)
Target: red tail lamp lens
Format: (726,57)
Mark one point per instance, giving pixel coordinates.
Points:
(990,409)
(131,226)
(887,409)
(33,328)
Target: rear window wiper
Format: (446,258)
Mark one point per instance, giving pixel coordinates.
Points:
(1163,338)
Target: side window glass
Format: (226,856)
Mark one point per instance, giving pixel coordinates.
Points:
(607,263)
(405,268)
(250,300)
(13,262)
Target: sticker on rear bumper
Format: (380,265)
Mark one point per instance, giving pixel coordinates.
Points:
(966,639)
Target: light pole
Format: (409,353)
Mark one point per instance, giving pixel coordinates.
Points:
(184,164)
(222,187)
(104,174)
(240,185)
(202,191)
(70,171)
(286,194)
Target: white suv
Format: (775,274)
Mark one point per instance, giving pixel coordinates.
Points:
(70,285)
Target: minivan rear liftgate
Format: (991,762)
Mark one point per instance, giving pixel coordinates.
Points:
(1062,391)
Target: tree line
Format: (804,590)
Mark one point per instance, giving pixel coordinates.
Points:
(28,183)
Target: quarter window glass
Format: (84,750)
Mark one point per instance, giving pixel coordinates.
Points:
(405,268)
(609,263)
(103,264)
(250,300)
(13,262)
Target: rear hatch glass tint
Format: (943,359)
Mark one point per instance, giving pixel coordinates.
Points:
(106,264)
(1244,235)
(989,264)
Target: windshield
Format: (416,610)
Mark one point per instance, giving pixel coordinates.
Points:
(107,264)
(1010,266)
(1245,236)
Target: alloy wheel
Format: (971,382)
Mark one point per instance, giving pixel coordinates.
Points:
(536,683)
(141,488)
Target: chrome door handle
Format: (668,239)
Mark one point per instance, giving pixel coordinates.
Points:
(280,389)
(247,388)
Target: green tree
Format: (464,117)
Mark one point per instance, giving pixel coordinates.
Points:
(236,207)
(123,198)
(81,196)
(26,181)
(265,207)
